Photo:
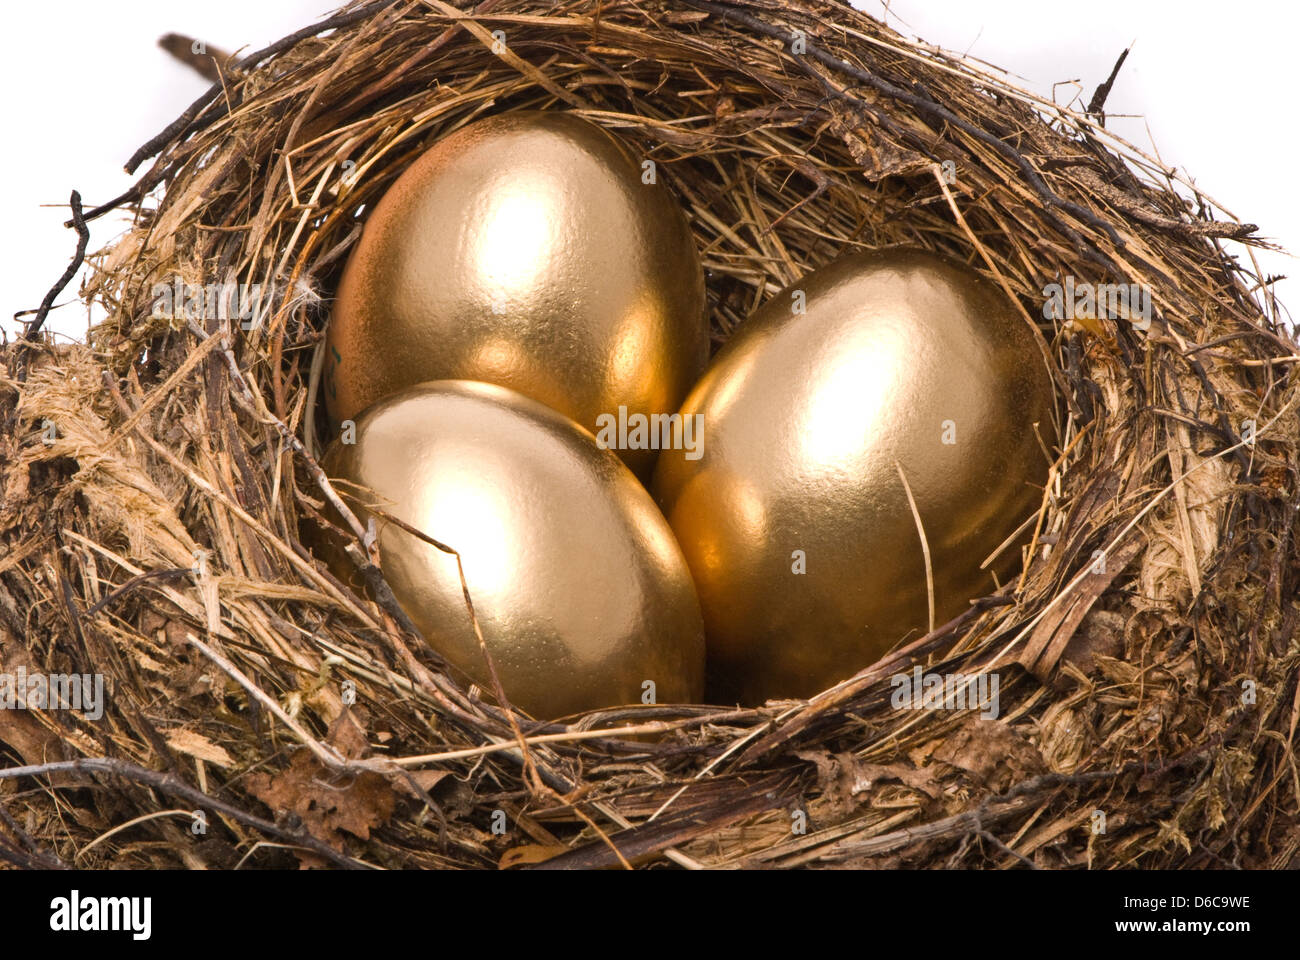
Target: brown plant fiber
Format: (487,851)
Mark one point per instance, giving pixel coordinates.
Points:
(1159,688)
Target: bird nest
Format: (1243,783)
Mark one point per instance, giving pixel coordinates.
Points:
(258,712)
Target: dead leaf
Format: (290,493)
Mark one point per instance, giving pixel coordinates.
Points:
(199,746)
(425,780)
(842,778)
(347,736)
(923,780)
(328,803)
(994,753)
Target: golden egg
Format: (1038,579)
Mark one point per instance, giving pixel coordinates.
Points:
(793,515)
(579,588)
(531,250)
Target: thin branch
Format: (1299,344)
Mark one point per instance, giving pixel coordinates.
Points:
(182,124)
(83,238)
(1103,90)
(171,784)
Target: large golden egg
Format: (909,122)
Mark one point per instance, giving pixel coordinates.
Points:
(528,250)
(580,590)
(794,518)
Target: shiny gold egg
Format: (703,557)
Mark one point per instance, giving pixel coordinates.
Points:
(579,588)
(531,250)
(794,516)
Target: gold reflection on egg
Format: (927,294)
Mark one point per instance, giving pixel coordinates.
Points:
(526,250)
(580,590)
(795,521)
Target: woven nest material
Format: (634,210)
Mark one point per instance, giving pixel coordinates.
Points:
(1147,652)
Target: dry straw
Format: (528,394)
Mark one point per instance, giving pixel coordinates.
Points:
(1148,698)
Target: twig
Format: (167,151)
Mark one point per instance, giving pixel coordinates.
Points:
(182,124)
(207,65)
(1103,90)
(83,238)
(985,835)
(135,582)
(171,784)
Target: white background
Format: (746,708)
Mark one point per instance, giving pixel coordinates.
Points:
(1211,84)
